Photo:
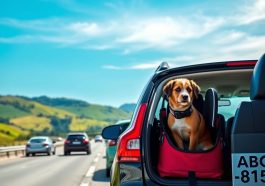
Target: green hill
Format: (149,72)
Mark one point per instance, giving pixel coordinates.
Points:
(97,112)
(14,106)
(84,109)
(52,116)
(32,122)
(10,111)
(59,101)
(9,134)
(128,107)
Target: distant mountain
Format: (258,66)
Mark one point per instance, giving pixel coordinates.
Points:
(22,117)
(128,107)
(84,109)
(18,106)
(56,102)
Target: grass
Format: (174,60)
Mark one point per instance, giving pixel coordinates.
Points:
(79,124)
(5,139)
(32,123)
(9,111)
(34,118)
(98,112)
(9,134)
(22,107)
(49,111)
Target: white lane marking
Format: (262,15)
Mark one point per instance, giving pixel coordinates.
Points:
(87,179)
(84,184)
(91,171)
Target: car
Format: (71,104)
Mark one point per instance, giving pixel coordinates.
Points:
(40,144)
(239,88)
(77,142)
(112,145)
(98,138)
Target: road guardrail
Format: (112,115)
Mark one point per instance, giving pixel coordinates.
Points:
(18,150)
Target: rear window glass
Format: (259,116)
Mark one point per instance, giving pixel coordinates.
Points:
(37,140)
(73,137)
(230,110)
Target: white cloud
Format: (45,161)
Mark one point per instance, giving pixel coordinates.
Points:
(112,67)
(17,39)
(176,61)
(40,25)
(251,43)
(131,35)
(141,66)
(145,66)
(168,31)
(85,28)
(252,12)
(38,38)
(227,37)
(99,47)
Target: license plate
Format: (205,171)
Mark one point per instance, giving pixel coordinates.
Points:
(76,143)
(248,169)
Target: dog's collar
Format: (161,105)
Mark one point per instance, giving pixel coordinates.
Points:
(181,114)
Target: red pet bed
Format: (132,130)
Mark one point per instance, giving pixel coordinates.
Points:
(176,163)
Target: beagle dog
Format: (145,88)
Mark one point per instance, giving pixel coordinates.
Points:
(185,121)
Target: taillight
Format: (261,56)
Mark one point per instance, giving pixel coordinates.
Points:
(241,63)
(85,141)
(66,142)
(45,145)
(129,142)
(112,142)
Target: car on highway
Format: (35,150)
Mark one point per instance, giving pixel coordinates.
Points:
(40,144)
(77,142)
(111,145)
(98,138)
(232,103)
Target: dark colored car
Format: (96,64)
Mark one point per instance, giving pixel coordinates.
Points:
(77,142)
(239,86)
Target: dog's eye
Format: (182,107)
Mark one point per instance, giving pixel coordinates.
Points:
(189,89)
(178,89)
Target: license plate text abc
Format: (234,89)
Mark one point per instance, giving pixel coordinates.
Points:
(251,169)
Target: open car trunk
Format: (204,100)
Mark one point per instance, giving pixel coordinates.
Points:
(232,85)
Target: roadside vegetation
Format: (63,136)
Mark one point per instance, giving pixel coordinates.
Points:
(11,134)
(23,117)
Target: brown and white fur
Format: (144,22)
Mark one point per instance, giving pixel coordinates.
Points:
(180,93)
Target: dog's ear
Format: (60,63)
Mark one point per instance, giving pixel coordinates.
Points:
(168,88)
(195,88)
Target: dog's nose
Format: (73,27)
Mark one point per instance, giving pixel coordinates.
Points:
(185,97)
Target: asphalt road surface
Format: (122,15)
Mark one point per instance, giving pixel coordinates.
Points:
(78,169)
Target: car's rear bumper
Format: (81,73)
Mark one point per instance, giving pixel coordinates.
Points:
(76,148)
(38,150)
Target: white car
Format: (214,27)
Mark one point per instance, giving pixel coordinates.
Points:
(98,138)
(40,144)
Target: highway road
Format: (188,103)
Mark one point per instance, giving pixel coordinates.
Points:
(78,169)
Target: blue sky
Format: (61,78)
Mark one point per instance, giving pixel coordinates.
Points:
(105,51)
